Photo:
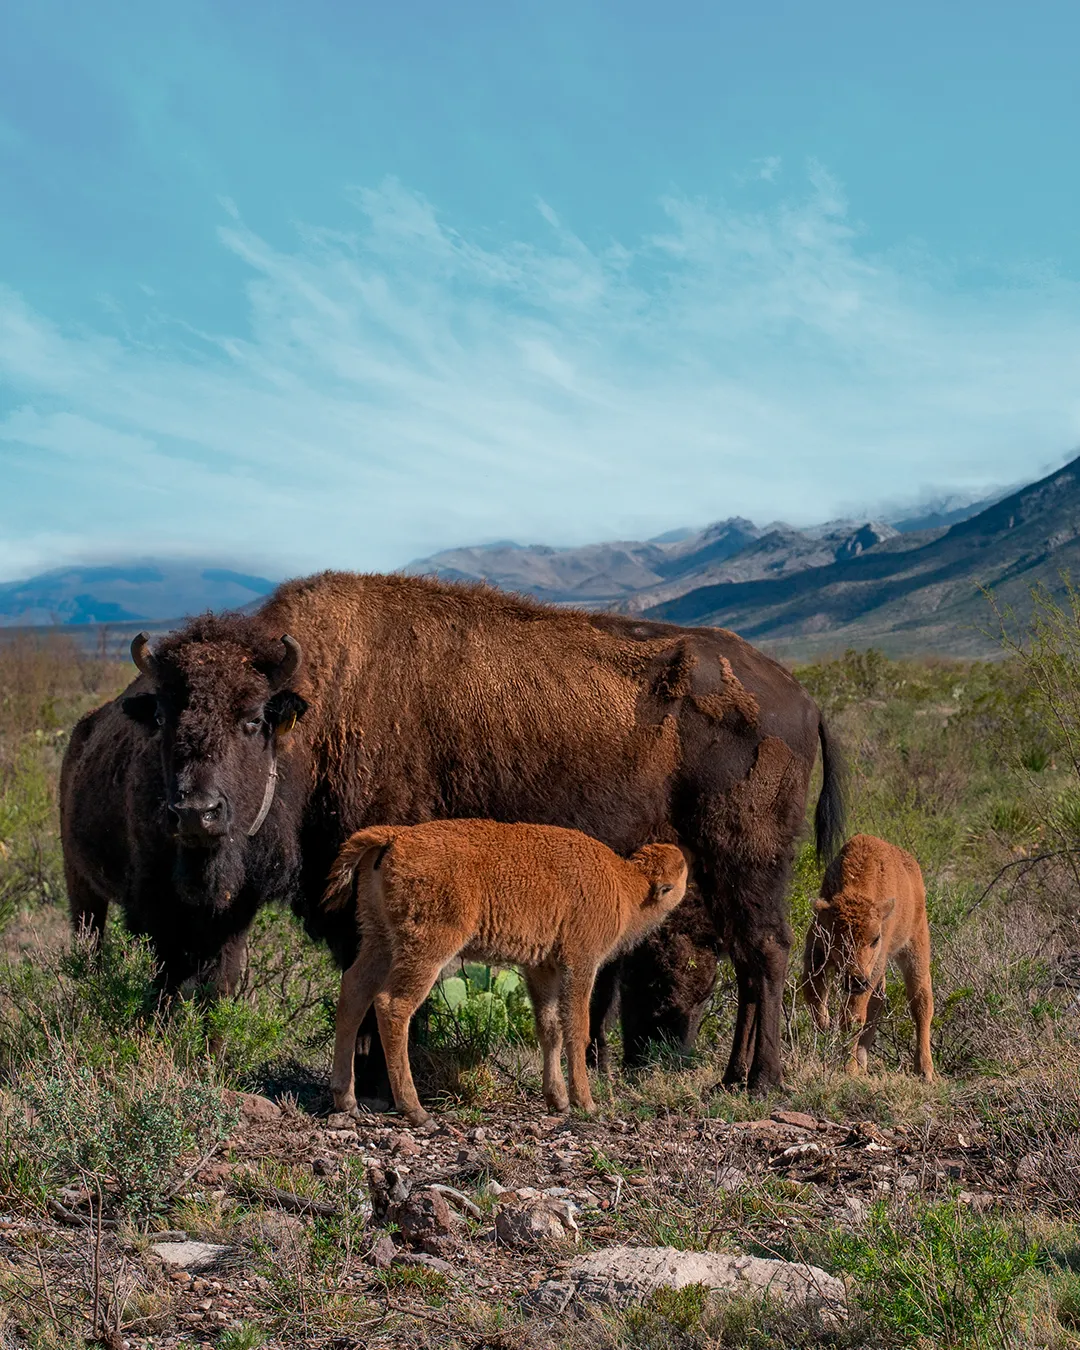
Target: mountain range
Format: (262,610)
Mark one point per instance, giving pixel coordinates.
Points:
(909,583)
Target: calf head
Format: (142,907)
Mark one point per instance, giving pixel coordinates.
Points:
(850,939)
(664,867)
(220,702)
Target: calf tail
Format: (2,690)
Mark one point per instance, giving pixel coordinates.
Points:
(831,808)
(356,849)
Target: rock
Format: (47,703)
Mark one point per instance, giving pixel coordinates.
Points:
(405,1146)
(477,1135)
(979,1201)
(341,1120)
(731,1179)
(324,1167)
(799,1119)
(1029,1166)
(424,1218)
(622,1276)
(257,1110)
(191,1255)
(422,1259)
(388,1188)
(538,1223)
(382,1254)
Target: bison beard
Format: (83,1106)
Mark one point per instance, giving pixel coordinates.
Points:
(424,701)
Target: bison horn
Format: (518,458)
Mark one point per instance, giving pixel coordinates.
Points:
(289,665)
(142,656)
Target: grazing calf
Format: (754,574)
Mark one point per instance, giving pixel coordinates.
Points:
(872,910)
(553,901)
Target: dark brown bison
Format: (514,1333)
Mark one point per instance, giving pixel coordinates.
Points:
(232,770)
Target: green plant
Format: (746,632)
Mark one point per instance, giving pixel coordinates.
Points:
(124,1129)
(936,1275)
(472,1013)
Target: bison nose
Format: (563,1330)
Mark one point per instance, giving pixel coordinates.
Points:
(197,815)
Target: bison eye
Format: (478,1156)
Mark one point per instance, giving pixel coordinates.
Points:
(159,717)
(250,725)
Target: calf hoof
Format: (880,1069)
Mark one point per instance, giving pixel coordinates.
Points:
(417,1117)
(587,1106)
(558,1106)
(346,1102)
(854,1069)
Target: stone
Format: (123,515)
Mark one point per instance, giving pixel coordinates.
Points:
(191,1255)
(799,1119)
(620,1277)
(424,1260)
(382,1254)
(1029,1166)
(341,1120)
(324,1167)
(854,1211)
(423,1218)
(538,1223)
(405,1146)
(257,1110)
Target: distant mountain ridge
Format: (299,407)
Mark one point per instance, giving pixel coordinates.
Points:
(928,597)
(143,589)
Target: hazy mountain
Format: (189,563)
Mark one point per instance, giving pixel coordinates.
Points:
(145,589)
(926,596)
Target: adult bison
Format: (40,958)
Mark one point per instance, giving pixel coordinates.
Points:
(231,771)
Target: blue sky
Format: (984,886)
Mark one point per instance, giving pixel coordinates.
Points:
(342,284)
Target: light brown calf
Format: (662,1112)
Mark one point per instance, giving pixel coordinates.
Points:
(872,910)
(552,901)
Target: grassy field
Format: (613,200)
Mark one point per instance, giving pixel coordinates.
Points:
(952,1209)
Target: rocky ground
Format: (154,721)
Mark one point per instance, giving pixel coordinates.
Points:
(347,1232)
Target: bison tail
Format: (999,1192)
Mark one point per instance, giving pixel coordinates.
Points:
(348,862)
(831,807)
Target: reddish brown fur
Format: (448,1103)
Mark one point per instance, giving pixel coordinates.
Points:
(553,901)
(872,910)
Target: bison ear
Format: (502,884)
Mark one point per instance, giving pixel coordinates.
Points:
(141,708)
(284,710)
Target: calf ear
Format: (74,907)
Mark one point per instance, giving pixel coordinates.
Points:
(820,906)
(284,710)
(887,906)
(140,708)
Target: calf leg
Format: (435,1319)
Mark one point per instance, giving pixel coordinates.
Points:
(412,977)
(860,1051)
(543,985)
(359,985)
(914,963)
(577,984)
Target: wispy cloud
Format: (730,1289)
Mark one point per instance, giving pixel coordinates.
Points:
(406,386)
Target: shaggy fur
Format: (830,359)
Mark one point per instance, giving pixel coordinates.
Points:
(872,911)
(552,901)
(428,701)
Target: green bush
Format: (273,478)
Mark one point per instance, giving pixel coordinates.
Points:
(124,1128)
(937,1275)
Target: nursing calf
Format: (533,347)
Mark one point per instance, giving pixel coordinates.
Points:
(872,910)
(553,901)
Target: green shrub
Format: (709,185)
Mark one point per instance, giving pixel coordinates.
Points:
(125,1128)
(937,1275)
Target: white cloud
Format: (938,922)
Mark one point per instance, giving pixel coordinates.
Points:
(403,387)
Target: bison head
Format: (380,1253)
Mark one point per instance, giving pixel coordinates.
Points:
(852,930)
(220,701)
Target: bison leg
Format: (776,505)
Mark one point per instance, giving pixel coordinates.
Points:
(411,979)
(914,963)
(88,909)
(359,985)
(543,985)
(225,973)
(576,990)
(760,971)
(602,1008)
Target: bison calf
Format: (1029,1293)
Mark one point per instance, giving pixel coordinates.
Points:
(872,910)
(552,901)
